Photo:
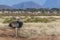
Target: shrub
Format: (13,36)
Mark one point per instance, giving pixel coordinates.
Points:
(44,20)
(8,20)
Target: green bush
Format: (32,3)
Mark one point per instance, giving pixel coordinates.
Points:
(8,20)
(44,20)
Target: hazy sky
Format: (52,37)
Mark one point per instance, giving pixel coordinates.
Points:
(11,2)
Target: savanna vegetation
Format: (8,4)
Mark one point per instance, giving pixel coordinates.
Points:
(31,19)
(32,12)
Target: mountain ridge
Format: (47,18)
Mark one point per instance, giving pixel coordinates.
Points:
(31,4)
(5,7)
(28,4)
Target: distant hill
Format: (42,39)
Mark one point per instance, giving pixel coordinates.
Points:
(5,7)
(52,4)
(25,5)
(30,4)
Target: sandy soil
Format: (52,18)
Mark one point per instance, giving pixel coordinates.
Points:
(9,35)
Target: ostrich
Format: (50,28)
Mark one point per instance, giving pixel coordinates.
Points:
(16,25)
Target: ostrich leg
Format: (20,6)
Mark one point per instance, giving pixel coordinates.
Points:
(16,32)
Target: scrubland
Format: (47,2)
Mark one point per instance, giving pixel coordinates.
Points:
(46,28)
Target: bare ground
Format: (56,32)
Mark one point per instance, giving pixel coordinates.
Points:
(9,35)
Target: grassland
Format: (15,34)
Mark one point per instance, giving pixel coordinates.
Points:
(33,30)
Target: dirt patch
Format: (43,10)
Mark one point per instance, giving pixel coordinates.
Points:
(8,35)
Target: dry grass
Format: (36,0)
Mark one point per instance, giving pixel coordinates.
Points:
(35,31)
